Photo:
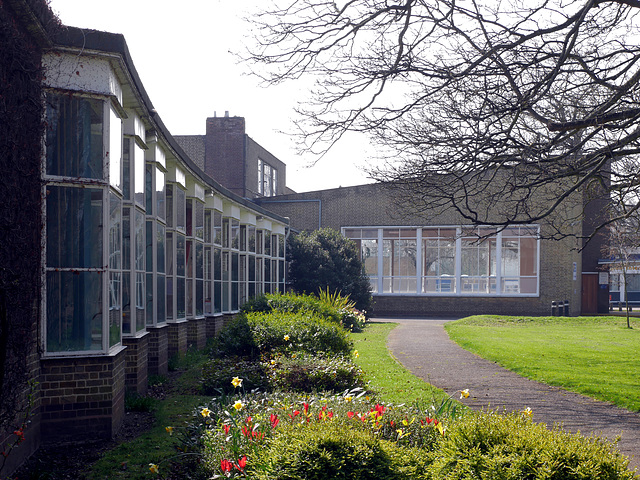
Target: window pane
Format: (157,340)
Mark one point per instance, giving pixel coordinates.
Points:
(115,233)
(126,238)
(140,301)
(160,194)
(140,245)
(161,296)
(128,322)
(126,168)
(115,310)
(138,174)
(74,140)
(160,236)
(199,220)
(74,311)
(180,208)
(115,150)
(74,227)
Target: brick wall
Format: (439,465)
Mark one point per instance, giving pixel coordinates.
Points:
(375,205)
(225,152)
(137,363)
(197,333)
(82,397)
(178,334)
(158,350)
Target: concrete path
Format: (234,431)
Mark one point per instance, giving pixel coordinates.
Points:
(423,347)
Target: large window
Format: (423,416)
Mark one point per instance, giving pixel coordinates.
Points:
(449,260)
(84,221)
(267,179)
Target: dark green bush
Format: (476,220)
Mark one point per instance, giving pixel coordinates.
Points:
(492,446)
(218,373)
(235,339)
(325,259)
(328,450)
(315,373)
(290,332)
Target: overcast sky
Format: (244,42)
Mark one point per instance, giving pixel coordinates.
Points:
(182,57)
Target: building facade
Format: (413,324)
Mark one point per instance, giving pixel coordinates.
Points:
(140,252)
(438,264)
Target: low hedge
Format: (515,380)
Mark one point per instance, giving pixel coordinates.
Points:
(492,446)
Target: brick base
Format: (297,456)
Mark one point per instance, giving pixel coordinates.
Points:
(158,350)
(197,333)
(178,337)
(137,363)
(82,397)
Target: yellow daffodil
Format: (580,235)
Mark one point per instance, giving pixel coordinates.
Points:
(464,393)
(286,338)
(528,412)
(356,354)
(293,355)
(440,428)
(236,382)
(205,412)
(400,433)
(238,405)
(153,468)
(169,430)
(273,362)
(348,398)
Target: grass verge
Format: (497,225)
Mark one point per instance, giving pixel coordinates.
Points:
(594,356)
(388,378)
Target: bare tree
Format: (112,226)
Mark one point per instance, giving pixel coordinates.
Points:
(540,93)
(622,250)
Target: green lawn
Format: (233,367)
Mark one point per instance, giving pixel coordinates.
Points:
(594,356)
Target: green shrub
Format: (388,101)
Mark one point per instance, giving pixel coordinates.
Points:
(511,446)
(292,303)
(315,373)
(276,332)
(218,373)
(320,451)
(134,402)
(235,339)
(325,259)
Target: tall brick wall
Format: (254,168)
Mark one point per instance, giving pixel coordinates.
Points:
(82,397)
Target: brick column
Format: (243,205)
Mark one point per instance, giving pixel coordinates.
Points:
(197,333)
(158,350)
(82,397)
(177,337)
(137,363)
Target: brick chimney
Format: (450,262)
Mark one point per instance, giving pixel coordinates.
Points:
(225,151)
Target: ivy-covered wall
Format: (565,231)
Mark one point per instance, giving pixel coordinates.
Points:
(25,26)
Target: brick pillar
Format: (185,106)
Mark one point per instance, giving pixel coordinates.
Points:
(197,333)
(225,152)
(158,350)
(82,397)
(177,337)
(137,363)
(211,326)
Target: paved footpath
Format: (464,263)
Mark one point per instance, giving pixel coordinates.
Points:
(423,347)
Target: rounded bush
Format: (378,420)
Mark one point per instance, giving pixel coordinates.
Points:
(316,373)
(328,450)
(218,373)
(288,332)
(485,445)
(236,339)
